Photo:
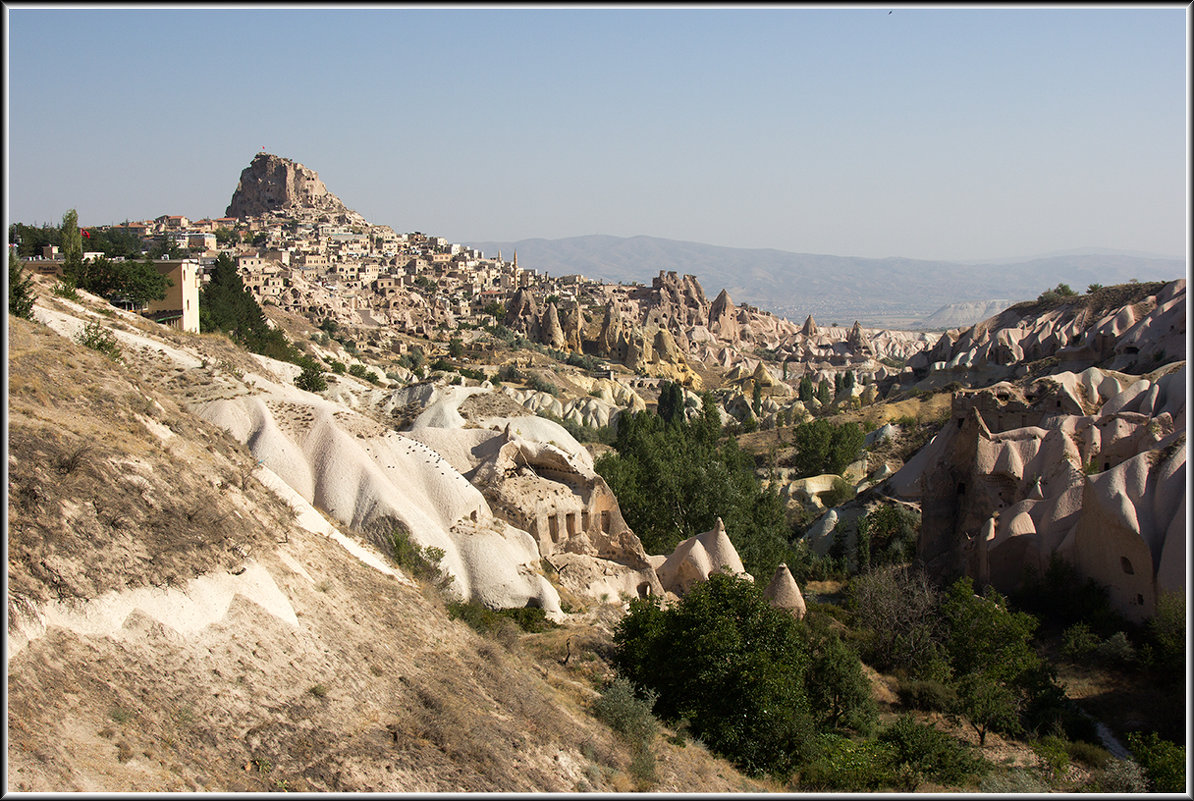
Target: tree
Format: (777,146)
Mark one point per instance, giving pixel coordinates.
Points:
(72,240)
(671,403)
(20,289)
(823,392)
(990,651)
(311,378)
(226,236)
(806,390)
(822,447)
(456,348)
(837,688)
(674,479)
(730,664)
(225,305)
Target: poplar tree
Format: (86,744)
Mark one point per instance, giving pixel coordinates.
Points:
(72,240)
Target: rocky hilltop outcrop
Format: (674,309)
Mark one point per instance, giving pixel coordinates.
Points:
(275,184)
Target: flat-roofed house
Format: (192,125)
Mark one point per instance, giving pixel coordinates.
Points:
(180,308)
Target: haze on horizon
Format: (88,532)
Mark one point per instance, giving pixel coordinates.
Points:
(929,133)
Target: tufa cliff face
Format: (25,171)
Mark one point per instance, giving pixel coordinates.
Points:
(271,183)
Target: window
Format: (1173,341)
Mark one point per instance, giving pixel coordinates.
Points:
(1126,565)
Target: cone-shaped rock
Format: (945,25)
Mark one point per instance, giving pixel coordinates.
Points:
(810,327)
(570,321)
(551,333)
(784,593)
(721,317)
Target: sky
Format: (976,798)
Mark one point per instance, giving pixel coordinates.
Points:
(934,132)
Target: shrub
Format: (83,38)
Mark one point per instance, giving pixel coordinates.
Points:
(484,620)
(97,337)
(624,711)
(540,385)
(1120,776)
(1117,649)
(1164,762)
(842,491)
(849,766)
(1088,753)
(337,367)
(928,695)
(66,289)
(356,370)
(930,753)
(420,562)
(1078,641)
(1052,756)
(311,378)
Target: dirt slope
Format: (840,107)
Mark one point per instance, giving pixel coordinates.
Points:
(173,625)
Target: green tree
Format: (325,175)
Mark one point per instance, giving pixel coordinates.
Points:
(823,447)
(136,282)
(456,347)
(673,480)
(226,305)
(1164,762)
(311,378)
(226,236)
(728,662)
(824,394)
(20,289)
(806,390)
(837,688)
(72,240)
(990,650)
(671,403)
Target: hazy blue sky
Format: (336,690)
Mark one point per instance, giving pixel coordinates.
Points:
(927,133)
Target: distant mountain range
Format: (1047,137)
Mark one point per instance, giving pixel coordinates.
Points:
(891,292)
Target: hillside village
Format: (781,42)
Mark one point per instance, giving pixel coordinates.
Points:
(466,413)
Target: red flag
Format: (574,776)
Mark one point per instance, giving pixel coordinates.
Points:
(85,232)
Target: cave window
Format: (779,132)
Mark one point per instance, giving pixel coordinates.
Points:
(605,521)
(553,525)
(644,590)
(1139,600)
(1126,565)
(961,489)
(571,522)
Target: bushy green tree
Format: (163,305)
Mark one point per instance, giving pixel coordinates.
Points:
(728,662)
(1164,762)
(226,305)
(673,480)
(823,447)
(20,289)
(671,403)
(136,282)
(806,390)
(838,691)
(990,651)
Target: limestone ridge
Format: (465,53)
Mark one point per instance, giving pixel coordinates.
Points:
(273,183)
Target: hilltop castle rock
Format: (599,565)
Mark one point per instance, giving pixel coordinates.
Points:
(273,183)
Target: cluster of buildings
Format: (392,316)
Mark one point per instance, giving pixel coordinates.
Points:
(340,267)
